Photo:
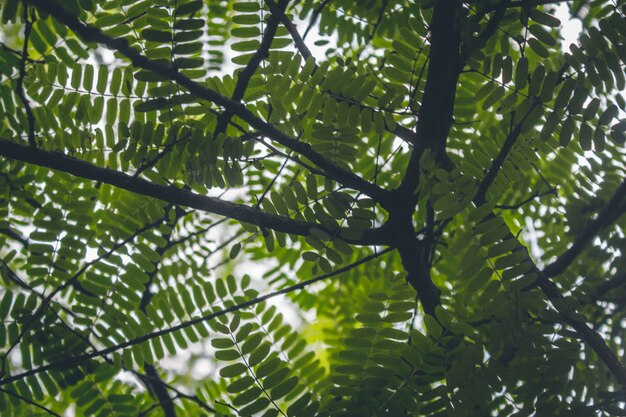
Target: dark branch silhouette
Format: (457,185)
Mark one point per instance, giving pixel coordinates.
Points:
(92,34)
(171,194)
(82,358)
(613,209)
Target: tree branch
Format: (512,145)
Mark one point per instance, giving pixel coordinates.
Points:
(315,16)
(157,385)
(528,3)
(570,316)
(244,76)
(13,276)
(496,164)
(293,30)
(90,33)
(28,24)
(526,200)
(174,195)
(71,362)
(615,281)
(154,381)
(492,26)
(18,53)
(402,132)
(435,119)
(415,263)
(29,401)
(179,394)
(14,235)
(611,212)
(445,66)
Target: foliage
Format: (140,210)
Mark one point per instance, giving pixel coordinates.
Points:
(424,218)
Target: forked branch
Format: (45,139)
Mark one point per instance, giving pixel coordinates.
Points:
(91,33)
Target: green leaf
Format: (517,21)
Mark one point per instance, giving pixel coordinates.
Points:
(247,396)
(255,407)
(521,73)
(433,326)
(241,384)
(538,48)
(246,6)
(259,354)
(542,35)
(246,19)
(585,136)
(188,8)
(543,18)
(233,370)
(156,35)
(245,46)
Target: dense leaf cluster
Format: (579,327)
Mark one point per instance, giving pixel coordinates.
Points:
(346,208)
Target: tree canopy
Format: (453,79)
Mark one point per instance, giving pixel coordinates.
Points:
(346,208)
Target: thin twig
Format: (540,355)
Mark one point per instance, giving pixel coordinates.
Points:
(245,75)
(28,24)
(527,200)
(84,357)
(29,401)
(166,150)
(381,14)
(293,30)
(615,281)
(611,211)
(14,235)
(18,53)
(314,17)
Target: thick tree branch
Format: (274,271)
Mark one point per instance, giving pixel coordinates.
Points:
(611,212)
(73,361)
(445,66)
(92,34)
(160,390)
(194,398)
(415,262)
(173,195)
(433,126)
